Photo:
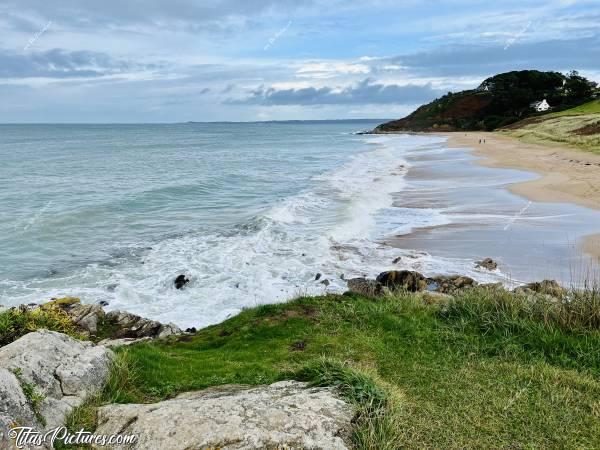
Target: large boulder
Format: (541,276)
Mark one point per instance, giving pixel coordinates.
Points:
(61,371)
(287,414)
(545,287)
(403,279)
(364,286)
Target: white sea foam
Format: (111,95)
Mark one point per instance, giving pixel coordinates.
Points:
(335,227)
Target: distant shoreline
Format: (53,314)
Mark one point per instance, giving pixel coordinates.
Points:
(567,175)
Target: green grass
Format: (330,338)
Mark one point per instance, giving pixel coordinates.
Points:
(17,322)
(592,107)
(562,128)
(486,370)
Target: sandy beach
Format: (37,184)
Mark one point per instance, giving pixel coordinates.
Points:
(567,175)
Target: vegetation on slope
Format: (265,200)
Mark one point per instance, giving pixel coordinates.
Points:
(487,369)
(578,127)
(499,101)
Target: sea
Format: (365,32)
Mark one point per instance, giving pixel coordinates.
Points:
(256,213)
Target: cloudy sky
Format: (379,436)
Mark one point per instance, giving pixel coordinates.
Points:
(206,60)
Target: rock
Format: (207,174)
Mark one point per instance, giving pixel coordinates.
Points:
(169,329)
(364,286)
(287,414)
(62,370)
(121,342)
(181,281)
(397,260)
(326,282)
(86,317)
(547,287)
(133,326)
(103,303)
(403,279)
(487,263)
(14,407)
(191,330)
(450,284)
(436,298)
(317,277)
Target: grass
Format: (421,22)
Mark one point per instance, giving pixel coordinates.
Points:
(17,322)
(488,369)
(32,395)
(592,107)
(577,127)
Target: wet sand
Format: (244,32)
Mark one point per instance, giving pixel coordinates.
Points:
(473,212)
(567,175)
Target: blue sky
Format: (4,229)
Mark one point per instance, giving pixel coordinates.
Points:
(179,60)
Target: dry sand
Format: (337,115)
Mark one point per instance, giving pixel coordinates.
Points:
(567,175)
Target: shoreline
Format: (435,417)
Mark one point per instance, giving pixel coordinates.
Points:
(566,175)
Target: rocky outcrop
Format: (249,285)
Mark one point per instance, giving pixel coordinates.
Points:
(546,287)
(403,279)
(59,371)
(129,325)
(450,284)
(410,281)
(117,327)
(287,414)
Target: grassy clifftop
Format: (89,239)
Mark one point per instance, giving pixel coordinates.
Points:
(485,369)
(578,127)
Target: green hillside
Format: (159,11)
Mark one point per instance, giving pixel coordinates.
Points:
(578,127)
(499,101)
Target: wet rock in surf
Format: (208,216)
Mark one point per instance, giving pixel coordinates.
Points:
(487,263)
(317,277)
(364,286)
(181,281)
(325,282)
(403,279)
(397,260)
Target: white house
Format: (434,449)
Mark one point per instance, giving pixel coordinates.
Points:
(540,106)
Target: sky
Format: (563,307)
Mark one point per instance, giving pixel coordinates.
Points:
(146,61)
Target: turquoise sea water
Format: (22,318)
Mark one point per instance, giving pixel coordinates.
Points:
(250,212)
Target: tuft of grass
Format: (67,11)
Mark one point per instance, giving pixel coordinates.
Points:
(17,322)
(374,421)
(500,309)
(488,369)
(118,388)
(34,398)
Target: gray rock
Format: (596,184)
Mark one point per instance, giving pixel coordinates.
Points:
(63,370)
(450,284)
(364,286)
(86,317)
(287,414)
(122,342)
(487,263)
(133,326)
(546,287)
